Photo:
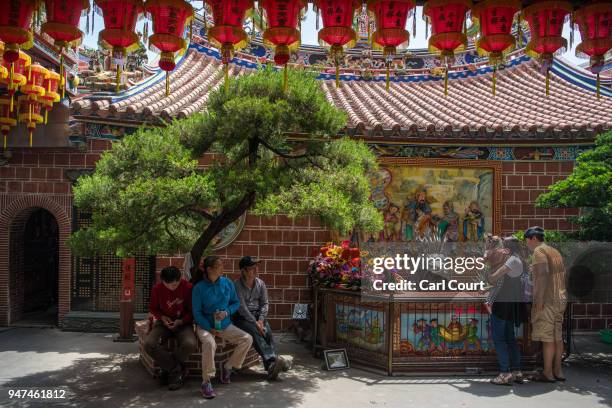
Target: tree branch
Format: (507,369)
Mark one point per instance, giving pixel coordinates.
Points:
(281,154)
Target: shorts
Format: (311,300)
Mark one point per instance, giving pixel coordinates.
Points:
(547,325)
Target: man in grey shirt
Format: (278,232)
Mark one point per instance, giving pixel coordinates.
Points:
(252,315)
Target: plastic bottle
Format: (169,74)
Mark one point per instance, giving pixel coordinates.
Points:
(217,321)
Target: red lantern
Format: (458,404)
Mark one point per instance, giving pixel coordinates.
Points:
(595,23)
(15,21)
(170,17)
(228,33)
(29,113)
(7,119)
(119,34)
(282,33)
(390,31)
(447,19)
(37,75)
(337,32)
(3,70)
(17,74)
(546,19)
(51,84)
(63,25)
(495,18)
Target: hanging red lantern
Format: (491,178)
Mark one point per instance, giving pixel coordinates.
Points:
(29,114)
(447,20)
(63,25)
(495,18)
(337,32)
(119,34)
(51,84)
(15,22)
(594,21)
(170,17)
(390,31)
(37,75)
(7,119)
(546,19)
(282,17)
(17,74)
(228,33)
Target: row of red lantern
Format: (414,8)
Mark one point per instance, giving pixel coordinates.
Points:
(170,18)
(39,87)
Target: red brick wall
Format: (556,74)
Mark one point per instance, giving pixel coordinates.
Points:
(522,183)
(36,177)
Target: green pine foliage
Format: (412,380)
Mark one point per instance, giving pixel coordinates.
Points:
(589,188)
(149,193)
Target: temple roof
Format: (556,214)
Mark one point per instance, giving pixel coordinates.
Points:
(415,108)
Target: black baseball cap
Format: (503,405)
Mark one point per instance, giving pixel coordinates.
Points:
(247,261)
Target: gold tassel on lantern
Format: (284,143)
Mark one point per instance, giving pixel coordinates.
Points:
(494,82)
(167,83)
(446,81)
(226,77)
(337,74)
(118,79)
(10,85)
(285,79)
(62,80)
(519,30)
(387,77)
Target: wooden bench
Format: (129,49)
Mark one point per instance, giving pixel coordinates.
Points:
(194,363)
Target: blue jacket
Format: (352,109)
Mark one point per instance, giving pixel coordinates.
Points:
(208,297)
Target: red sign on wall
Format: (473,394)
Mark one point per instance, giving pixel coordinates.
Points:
(129,271)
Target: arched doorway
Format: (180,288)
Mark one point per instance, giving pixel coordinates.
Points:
(34,268)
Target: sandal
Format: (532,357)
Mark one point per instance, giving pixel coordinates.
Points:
(502,379)
(518,377)
(540,377)
(561,379)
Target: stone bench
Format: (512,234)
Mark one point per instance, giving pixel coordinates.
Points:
(194,362)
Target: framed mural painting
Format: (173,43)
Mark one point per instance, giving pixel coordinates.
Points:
(448,199)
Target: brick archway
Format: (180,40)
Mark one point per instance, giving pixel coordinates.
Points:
(12,221)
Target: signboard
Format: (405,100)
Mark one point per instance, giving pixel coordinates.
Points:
(129,270)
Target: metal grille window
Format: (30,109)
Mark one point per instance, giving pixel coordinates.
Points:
(96,282)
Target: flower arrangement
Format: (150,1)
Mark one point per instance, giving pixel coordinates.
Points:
(337,266)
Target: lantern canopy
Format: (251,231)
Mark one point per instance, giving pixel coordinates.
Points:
(495,18)
(447,19)
(337,32)
(594,21)
(390,31)
(17,74)
(15,21)
(228,33)
(29,114)
(119,34)
(283,17)
(7,118)
(170,17)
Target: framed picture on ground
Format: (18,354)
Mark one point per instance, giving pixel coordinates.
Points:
(336,359)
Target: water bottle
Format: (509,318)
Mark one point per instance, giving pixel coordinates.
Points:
(217,321)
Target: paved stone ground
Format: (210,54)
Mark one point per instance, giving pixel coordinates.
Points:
(99,373)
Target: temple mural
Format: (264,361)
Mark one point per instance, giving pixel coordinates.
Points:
(419,202)
(361,326)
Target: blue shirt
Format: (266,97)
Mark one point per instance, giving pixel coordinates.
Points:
(209,297)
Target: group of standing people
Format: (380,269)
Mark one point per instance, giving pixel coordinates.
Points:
(516,285)
(222,310)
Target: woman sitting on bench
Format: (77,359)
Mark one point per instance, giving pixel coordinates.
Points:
(214,300)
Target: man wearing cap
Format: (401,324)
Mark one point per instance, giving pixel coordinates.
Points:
(252,315)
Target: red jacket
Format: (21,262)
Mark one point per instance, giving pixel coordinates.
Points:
(175,304)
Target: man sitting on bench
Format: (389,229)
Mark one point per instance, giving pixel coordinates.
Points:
(170,306)
(252,314)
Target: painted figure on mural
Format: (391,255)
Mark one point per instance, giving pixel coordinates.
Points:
(392,223)
(425,341)
(417,216)
(437,341)
(449,223)
(473,222)
(472,341)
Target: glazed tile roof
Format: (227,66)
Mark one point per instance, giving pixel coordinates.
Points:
(414,108)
